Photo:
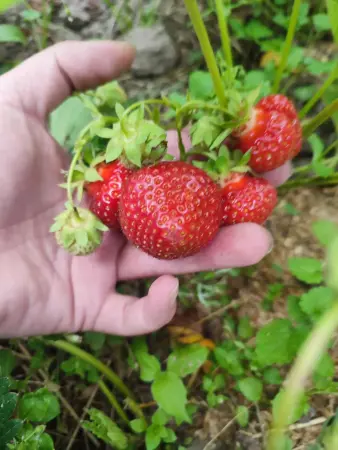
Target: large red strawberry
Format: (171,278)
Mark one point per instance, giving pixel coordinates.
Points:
(247,199)
(273,134)
(170,210)
(105,195)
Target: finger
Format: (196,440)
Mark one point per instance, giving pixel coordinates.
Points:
(129,316)
(279,176)
(234,246)
(43,81)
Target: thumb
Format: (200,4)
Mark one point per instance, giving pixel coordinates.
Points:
(42,82)
(129,316)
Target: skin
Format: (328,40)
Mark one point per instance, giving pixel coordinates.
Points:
(43,290)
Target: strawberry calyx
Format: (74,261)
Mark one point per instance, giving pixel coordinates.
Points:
(134,140)
(222,166)
(78,230)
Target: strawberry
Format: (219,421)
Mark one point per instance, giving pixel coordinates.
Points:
(170,210)
(273,133)
(105,195)
(247,199)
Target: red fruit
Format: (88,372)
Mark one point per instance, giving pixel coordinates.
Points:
(274,134)
(105,195)
(170,210)
(247,199)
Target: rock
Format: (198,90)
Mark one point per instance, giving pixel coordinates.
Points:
(156,52)
(80,13)
(59,33)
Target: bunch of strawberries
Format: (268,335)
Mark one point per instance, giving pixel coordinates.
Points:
(173,208)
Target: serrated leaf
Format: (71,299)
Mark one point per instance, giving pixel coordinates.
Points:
(308,270)
(317,301)
(187,360)
(220,139)
(153,438)
(138,425)
(251,388)
(39,406)
(9,431)
(229,360)
(107,430)
(325,231)
(201,85)
(242,416)
(7,362)
(11,33)
(175,403)
(272,343)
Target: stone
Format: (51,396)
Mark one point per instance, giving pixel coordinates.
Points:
(80,13)
(156,52)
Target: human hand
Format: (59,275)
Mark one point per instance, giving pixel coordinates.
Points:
(43,289)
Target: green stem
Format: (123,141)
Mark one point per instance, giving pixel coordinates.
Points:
(208,53)
(180,142)
(288,44)
(316,181)
(223,28)
(101,367)
(151,101)
(306,362)
(310,104)
(320,118)
(113,401)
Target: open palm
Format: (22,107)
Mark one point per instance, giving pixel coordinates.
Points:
(43,290)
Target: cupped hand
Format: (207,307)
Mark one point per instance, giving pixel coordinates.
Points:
(44,290)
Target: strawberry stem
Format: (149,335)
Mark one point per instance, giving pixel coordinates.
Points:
(113,401)
(151,101)
(287,44)
(223,28)
(310,127)
(310,104)
(208,53)
(78,147)
(307,360)
(101,367)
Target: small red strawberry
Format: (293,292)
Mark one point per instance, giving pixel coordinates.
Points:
(273,134)
(170,210)
(105,195)
(244,197)
(247,199)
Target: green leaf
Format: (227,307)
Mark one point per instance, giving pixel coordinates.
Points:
(149,366)
(321,22)
(76,366)
(11,33)
(324,371)
(325,231)
(251,388)
(187,360)
(30,15)
(95,340)
(272,375)
(171,395)
(317,146)
(256,30)
(245,329)
(8,432)
(295,312)
(107,430)
(68,120)
(153,438)
(332,9)
(168,436)
(105,133)
(160,417)
(301,409)
(308,270)
(201,85)
(290,209)
(138,425)
(33,439)
(317,301)
(114,150)
(39,406)
(321,169)
(229,360)
(272,343)
(6,4)
(242,416)
(7,362)
(92,175)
